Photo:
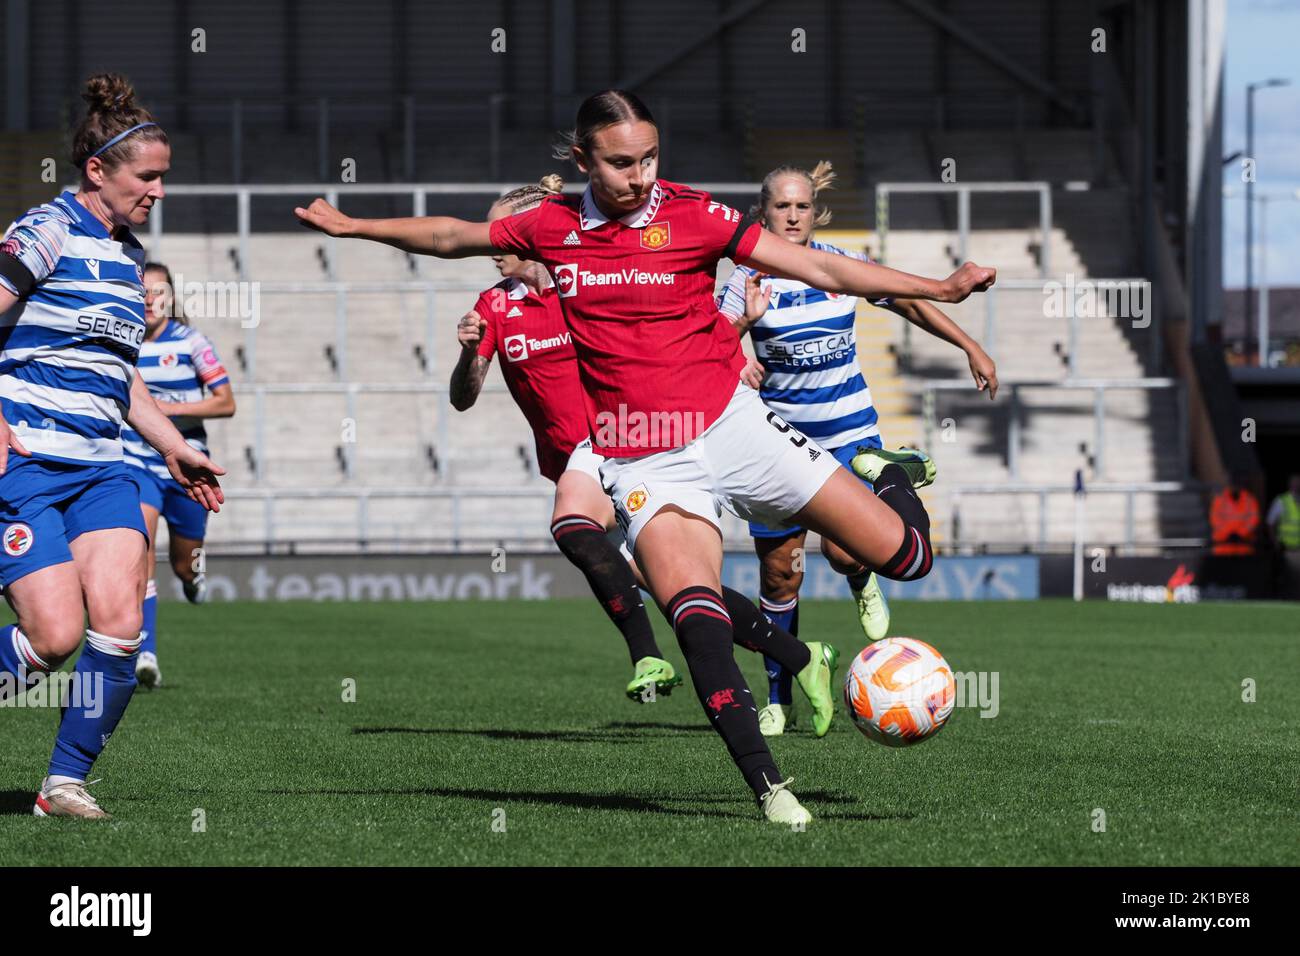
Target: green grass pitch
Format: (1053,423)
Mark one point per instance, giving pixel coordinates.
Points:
(471,713)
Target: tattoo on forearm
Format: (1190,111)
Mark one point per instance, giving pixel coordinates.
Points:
(467,379)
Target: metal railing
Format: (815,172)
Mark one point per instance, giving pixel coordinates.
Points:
(350,391)
(930,421)
(362,497)
(342,291)
(430,289)
(963,191)
(458,533)
(365,528)
(1098,387)
(1119,293)
(1130,491)
(419,193)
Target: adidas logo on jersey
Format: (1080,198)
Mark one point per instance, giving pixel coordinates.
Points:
(572,238)
(514,313)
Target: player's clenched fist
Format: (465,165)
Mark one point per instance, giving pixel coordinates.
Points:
(323,217)
(969,278)
(470,331)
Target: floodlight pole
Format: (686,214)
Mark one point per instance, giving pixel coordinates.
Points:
(1250,198)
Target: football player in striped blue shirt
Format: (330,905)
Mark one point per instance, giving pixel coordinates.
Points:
(805,340)
(72,542)
(185,376)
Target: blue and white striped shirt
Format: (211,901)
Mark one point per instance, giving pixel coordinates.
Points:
(68,349)
(177,366)
(807,345)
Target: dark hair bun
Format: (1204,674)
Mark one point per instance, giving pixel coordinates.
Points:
(109,93)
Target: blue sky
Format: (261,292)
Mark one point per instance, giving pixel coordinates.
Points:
(1262,38)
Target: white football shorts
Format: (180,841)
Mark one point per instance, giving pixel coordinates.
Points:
(749,461)
(586,461)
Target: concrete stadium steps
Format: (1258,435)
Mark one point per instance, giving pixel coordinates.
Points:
(390,439)
(290,254)
(1025,342)
(482,447)
(376,341)
(1012,519)
(1012,251)
(970,437)
(482,519)
(972,449)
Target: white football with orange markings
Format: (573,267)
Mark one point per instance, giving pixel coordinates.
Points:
(899,691)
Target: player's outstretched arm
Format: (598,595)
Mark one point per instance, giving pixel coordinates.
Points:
(931,319)
(194,470)
(440,236)
(833,273)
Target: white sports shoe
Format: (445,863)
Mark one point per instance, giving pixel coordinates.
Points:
(68,800)
(147,673)
(774,719)
(781,806)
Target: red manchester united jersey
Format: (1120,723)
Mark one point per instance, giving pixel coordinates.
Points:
(527,330)
(658,362)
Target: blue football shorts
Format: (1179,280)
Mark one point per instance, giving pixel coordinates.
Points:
(45,504)
(185,517)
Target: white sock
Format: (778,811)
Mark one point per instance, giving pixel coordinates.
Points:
(116,646)
(23,648)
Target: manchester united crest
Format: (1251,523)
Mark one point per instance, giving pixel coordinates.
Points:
(636,499)
(656,236)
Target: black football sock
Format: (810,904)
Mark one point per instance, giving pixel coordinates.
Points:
(913,558)
(699,617)
(585,544)
(754,632)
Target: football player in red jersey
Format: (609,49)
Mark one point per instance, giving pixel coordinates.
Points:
(520,320)
(634,260)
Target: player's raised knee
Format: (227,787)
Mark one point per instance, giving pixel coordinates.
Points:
(912,560)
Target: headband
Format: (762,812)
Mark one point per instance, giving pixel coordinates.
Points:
(116,139)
